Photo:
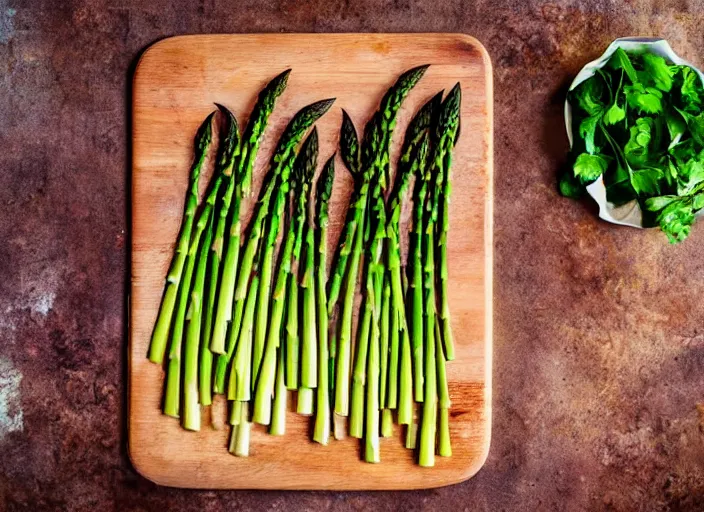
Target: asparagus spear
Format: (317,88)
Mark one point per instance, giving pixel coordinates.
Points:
(163,323)
(385,325)
(416,285)
(375,153)
(173,379)
(415,143)
(426,456)
(229,150)
(447,143)
(278,416)
(302,176)
(349,149)
(239,186)
(281,164)
(309,363)
(321,431)
(241,373)
(444,403)
(250,147)
(375,157)
(371,436)
(191,409)
(375,278)
(447,126)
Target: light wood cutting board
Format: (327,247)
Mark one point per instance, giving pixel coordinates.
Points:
(175,85)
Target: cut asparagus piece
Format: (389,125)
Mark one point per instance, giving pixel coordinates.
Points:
(160,336)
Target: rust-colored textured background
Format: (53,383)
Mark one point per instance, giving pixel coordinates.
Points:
(599,342)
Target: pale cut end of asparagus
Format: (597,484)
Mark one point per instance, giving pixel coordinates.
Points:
(305,401)
(235,414)
(444,444)
(339,424)
(387,423)
(232,446)
(411,435)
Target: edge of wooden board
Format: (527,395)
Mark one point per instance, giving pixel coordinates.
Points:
(146,469)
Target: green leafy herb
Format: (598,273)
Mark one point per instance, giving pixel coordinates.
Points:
(640,126)
(590,167)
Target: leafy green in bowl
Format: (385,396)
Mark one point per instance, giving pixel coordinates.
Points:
(638,127)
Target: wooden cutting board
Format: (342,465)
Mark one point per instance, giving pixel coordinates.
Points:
(175,85)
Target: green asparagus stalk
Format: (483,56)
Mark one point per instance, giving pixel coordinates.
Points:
(426,457)
(411,380)
(385,325)
(373,406)
(240,434)
(240,383)
(416,285)
(302,176)
(309,348)
(235,413)
(387,423)
(281,164)
(160,335)
(375,157)
(191,408)
(446,133)
(350,152)
(278,416)
(173,380)
(321,431)
(413,152)
(444,403)
(447,143)
(292,339)
(306,169)
(240,186)
(229,151)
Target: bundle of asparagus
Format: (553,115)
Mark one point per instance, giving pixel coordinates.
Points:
(272,328)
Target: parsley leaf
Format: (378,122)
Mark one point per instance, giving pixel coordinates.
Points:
(636,149)
(620,60)
(658,70)
(590,94)
(647,181)
(614,114)
(587,130)
(691,90)
(676,219)
(590,167)
(645,99)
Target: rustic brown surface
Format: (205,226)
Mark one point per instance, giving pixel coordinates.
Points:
(167,108)
(599,348)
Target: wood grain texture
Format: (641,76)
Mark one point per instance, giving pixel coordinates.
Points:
(175,85)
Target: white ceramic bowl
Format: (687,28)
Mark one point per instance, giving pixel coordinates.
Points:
(630,213)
